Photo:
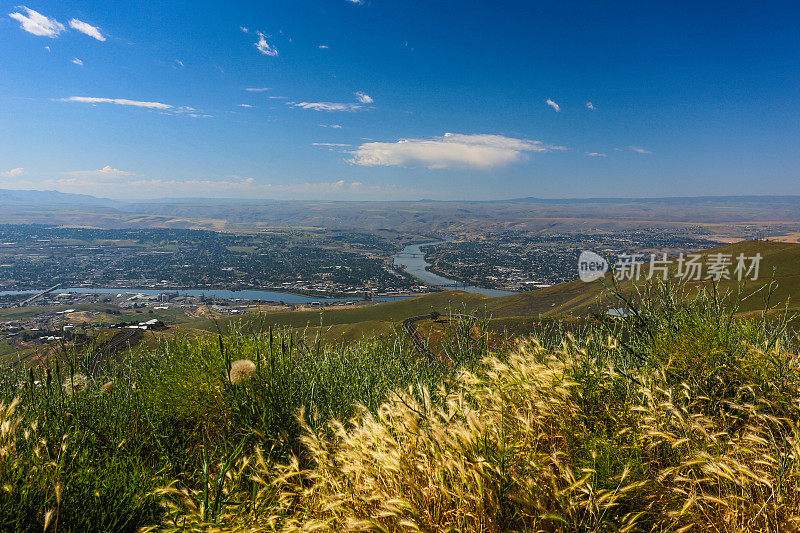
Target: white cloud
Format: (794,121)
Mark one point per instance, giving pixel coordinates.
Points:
(13,172)
(47,48)
(553,105)
(264,47)
(105,172)
(257,89)
(332,145)
(639,150)
(118,101)
(245,30)
(77,62)
(448,151)
(38,24)
(364,98)
(357,2)
(323,47)
(278,97)
(590,106)
(596,154)
(326,106)
(88,29)
(334,126)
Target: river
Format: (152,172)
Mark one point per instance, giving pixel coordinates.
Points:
(412,259)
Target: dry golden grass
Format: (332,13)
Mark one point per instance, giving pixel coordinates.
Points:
(518,447)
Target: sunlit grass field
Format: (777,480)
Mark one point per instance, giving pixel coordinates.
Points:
(680,417)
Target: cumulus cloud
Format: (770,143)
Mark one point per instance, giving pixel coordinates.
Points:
(13,172)
(326,106)
(37,24)
(639,150)
(87,29)
(118,101)
(105,172)
(78,62)
(595,154)
(553,105)
(451,150)
(264,47)
(364,98)
(590,106)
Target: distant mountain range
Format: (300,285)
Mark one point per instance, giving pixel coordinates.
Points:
(428,217)
(10,197)
(55,197)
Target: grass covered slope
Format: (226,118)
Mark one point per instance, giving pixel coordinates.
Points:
(681,417)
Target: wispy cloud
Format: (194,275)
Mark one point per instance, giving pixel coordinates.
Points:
(590,106)
(323,47)
(77,62)
(245,105)
(596,154)
(264,47)
(357,2)
(553,105)
(257,89)
(245,30)
(37,24)
(13,172)
(639,150)
(450,150)
(331,145)
(105,172)
(364,98)
(326,106)
(334,126)
(87,29)
(118,101)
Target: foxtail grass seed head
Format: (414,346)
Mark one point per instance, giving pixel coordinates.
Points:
(242,371)
(75,384)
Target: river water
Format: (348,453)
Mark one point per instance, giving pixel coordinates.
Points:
(418,267)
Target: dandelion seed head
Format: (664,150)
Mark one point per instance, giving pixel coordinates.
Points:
(241,371)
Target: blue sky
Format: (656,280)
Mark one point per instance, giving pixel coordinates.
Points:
(390,99)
